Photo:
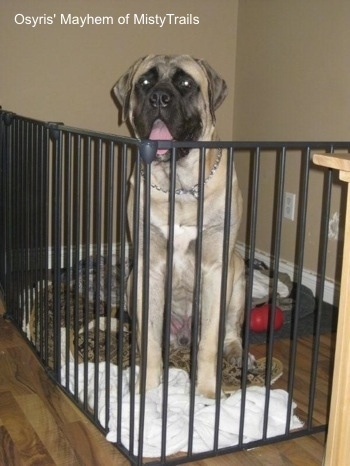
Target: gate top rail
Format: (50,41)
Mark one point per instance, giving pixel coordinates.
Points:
(329,145)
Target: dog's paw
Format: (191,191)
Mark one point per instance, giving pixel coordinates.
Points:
(152,381)
(208,390)
(251,362)
(234,355)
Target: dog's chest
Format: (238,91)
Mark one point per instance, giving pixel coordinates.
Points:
(183,269)
(184,237)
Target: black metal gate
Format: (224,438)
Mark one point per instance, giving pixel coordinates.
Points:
(65,262)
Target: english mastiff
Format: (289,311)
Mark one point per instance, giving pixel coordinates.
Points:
(174,98)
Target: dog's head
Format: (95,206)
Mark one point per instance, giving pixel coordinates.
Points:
(171,98)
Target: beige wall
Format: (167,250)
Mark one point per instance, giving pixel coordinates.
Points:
(65,73)
(293,70)
(287,65)
(292,83)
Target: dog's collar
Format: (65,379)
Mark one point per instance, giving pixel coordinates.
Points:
(194,191)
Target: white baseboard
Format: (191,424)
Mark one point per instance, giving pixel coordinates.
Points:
(309,278)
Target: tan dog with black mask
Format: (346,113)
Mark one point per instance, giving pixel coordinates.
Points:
(174,98)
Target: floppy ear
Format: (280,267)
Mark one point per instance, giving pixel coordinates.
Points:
(216,86)
(123,87)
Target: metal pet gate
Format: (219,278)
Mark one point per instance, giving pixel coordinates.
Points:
(65,261)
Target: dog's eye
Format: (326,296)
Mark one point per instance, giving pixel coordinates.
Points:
(145,82)
(148,79)
(186,83)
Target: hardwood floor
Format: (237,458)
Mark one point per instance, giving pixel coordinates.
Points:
(39,425)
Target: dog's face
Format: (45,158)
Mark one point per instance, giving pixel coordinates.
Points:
(171,98)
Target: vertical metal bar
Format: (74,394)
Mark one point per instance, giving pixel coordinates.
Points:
(35,258)
(23,313)
(196,296)
(4,195)
(98,155)
(17,214)
(32,232)
(223,296)
(57,247)
(77,225)
(7,162)
(48,192)
(18,293)
(22,212)
(10,204)
(15,211)
(281,162)
(109,173)
(302,217)
(123,238)
(39,217)
(134,293)
(252,226)
(24,219)
(67,216)
(87,212)
(168,302)
(146,214)
(44,181)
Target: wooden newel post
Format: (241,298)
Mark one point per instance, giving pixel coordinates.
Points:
(338,438)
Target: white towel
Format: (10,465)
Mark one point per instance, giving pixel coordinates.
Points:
(178,412)
(262,283)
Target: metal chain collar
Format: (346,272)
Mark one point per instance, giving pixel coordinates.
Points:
(195,189)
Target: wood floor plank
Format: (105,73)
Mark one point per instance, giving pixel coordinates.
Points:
(9,455)
(37,420)
(304,451)
(28,443)
(47,429)
(95,451)
(12,375)
(292,453)
(313,445)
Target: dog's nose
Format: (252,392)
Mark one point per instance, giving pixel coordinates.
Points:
(183,341)
(160,98)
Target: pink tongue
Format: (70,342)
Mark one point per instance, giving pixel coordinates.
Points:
(160,132)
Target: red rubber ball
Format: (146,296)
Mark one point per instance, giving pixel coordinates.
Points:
(259,318)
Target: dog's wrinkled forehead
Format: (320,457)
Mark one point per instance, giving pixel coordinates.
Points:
(167,65)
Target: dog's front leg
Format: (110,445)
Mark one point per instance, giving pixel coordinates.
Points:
(150,331)
(235,312)
(208,346)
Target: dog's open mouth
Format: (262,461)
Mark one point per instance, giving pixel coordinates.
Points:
(160,132)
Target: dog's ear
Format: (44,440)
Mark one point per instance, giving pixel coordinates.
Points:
(217,87)
(122,88)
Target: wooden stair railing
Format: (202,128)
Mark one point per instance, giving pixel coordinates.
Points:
(338,438)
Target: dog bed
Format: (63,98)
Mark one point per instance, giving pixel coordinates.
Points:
(83,342)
